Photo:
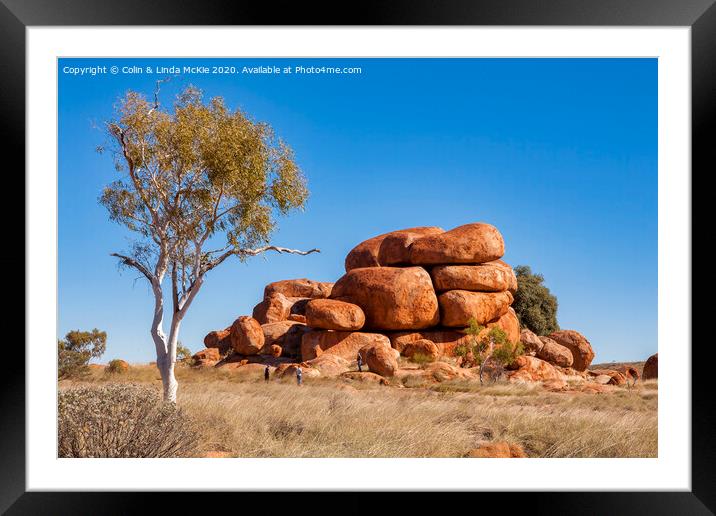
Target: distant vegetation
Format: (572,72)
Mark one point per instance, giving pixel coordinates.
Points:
(117,367)
(76,350)
(534,304)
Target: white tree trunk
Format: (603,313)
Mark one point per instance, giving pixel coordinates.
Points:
(166,348)
(169,382)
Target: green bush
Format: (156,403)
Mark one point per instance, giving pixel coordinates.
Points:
(117,366)
(534,304)
(121,420)
(422,358)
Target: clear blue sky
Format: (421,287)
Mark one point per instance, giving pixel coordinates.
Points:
(559,154)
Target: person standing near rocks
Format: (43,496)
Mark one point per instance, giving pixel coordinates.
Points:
(266,374)
(359,360)
(299,376)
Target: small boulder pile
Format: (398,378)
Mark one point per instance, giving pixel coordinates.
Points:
(405,292)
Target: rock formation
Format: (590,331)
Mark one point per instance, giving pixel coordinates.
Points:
(408,292)
(651,367)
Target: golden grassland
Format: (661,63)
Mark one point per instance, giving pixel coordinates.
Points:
(242,416)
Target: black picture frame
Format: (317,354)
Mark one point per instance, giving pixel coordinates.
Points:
(699,15)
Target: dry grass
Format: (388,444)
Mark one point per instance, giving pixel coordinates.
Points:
(241,415)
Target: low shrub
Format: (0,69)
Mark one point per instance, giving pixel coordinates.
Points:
(117,366)
(422,358)
(122,420)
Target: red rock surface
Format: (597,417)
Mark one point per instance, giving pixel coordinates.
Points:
(329,365)
(530,341)
(651,367)
(364,377)
(509,323)
(275,333)
(299,288)
(274,308)
(471,243)
(512,286)
(487,277)
(629,372)
(380,359)
(424,347)
(445,340)
(458,306)
(497,450)
(554,353)
(392,298)
(531,369)
(345,344)
(331,314)
(366,254)
(247,336)
(207,354)
(395,247)
(220,339)
(579,346)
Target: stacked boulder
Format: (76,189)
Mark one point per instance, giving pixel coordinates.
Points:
(567,350)
(405,292)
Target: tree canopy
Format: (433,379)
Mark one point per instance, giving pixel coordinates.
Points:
(193,173)
(77,349)
(535,305)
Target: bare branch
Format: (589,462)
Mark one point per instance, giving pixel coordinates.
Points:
(131,262)
(259,250)
(254,252)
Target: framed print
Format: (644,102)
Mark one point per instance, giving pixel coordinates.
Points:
(268,251)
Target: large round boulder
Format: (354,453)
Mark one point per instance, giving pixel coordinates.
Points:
(273,308)
(207,354)
(421,347)
(299,288)
(220,339)
(651,367)
(392,298)
(554,353)
(579,346)
(457,307)
(471,243)
(532,369)
(380,358)
(530,341)
(395,247)
(345,344)
(366,254)
(329,365)
(275,333)
(487,277)
(331,314)
(247,336)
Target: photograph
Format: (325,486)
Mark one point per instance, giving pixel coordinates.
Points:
(379,257)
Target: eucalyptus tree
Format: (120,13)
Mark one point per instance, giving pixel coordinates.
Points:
(198,183)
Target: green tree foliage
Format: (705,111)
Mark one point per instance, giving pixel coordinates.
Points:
(535,306)
(76,350)
(184,354)
(491,345)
